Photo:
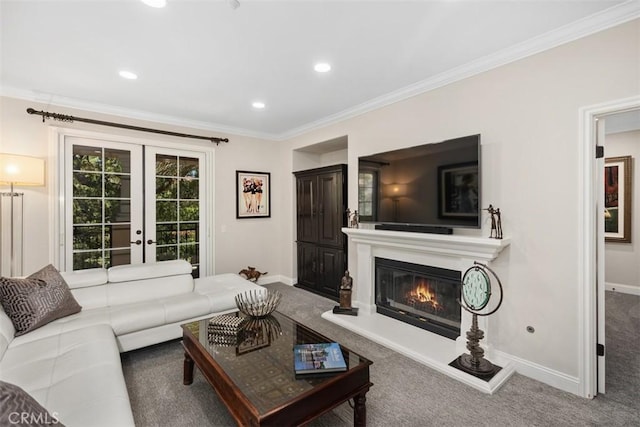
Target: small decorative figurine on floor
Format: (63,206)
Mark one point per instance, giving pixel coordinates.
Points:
(251,274)
(352,219)
(496,222)
(346,286)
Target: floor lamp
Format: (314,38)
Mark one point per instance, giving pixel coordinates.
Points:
(16,170)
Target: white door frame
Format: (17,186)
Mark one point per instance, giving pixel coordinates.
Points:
(589,263)
(56,195)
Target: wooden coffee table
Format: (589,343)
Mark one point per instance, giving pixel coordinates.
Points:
(255,378)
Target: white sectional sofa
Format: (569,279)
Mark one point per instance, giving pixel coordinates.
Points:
(72,367)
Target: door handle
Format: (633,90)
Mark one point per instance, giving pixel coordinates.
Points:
(137,242)
(149,242)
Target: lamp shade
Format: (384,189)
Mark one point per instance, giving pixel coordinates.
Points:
(21,170)
(395,190)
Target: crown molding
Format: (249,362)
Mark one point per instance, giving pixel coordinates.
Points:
(62,101)
(608,18)
(601,21)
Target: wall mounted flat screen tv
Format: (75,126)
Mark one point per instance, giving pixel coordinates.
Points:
(434,184)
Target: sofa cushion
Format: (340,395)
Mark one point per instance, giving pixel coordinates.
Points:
(7,331)
(222,289)
(17,407)
(130,272)
(76,375)
(37,300)
(85,278)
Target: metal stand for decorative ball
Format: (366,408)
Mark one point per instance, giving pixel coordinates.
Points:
(474,363)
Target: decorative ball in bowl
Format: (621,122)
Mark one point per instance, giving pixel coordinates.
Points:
(258,303)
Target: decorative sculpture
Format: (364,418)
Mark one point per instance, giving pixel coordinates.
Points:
(353,219)
(251,274)
(476,293)
(496,222)
(346,286)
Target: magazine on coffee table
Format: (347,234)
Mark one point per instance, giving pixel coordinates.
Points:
(321,358)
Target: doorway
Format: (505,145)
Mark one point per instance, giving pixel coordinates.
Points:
(591,246)
(621,141)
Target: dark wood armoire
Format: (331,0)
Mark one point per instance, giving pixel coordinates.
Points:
(321,213)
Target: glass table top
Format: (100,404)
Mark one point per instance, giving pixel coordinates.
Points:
(259,359)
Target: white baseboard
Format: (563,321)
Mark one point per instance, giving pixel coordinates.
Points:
(265,280)
(543,374)
(624,289)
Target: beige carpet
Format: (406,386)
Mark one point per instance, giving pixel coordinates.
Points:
(405,392)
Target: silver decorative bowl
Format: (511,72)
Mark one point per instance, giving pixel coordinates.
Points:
(256,303)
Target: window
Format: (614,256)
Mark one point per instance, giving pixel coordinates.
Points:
(368,194)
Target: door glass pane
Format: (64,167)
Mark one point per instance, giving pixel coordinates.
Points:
(167,234)
(164,253)
(118,257)
(166,165)
(87,158)
(84,260)
(117,186)
(166,211)
(87,211)
(117,210)
(101,207)
(166,188)
(87,184)
(178,209)
(189,188)
(117,161)
(87,237)
(189,167)
(189,211)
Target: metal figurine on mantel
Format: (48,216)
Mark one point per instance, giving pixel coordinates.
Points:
(353,220)
(346,286)
(496,222)
(476,293)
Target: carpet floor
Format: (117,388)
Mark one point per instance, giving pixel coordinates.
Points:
(405,392)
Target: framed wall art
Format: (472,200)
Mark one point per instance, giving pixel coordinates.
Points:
(458,187)
(253,194)
(617,199)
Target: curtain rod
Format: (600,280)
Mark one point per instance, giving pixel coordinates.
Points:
(67,118)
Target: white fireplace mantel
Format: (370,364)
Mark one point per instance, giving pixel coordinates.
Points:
(478,248)
(457,252)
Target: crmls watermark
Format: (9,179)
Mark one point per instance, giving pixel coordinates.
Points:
(17,418)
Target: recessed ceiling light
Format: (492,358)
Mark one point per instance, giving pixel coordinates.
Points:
(322,67)
(155,3)
(258,105)
(128,75)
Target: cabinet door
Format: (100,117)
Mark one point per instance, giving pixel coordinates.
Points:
(307,214)
(331,270)
(330,209)
(307,265)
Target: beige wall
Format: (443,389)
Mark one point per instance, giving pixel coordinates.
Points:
(528,115)
(622,270)
(238,243)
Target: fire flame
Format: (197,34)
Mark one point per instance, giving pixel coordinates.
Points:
(422,293)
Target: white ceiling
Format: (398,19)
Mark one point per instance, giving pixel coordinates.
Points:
(202,63)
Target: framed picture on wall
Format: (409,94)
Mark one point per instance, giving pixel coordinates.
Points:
(458,190)
(253,194)
(617,199)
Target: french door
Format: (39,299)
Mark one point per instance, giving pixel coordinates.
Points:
(127,203)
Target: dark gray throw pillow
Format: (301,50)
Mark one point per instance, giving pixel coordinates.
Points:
(19,408)
(37,300)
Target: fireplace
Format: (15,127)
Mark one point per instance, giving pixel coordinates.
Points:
(421,295)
